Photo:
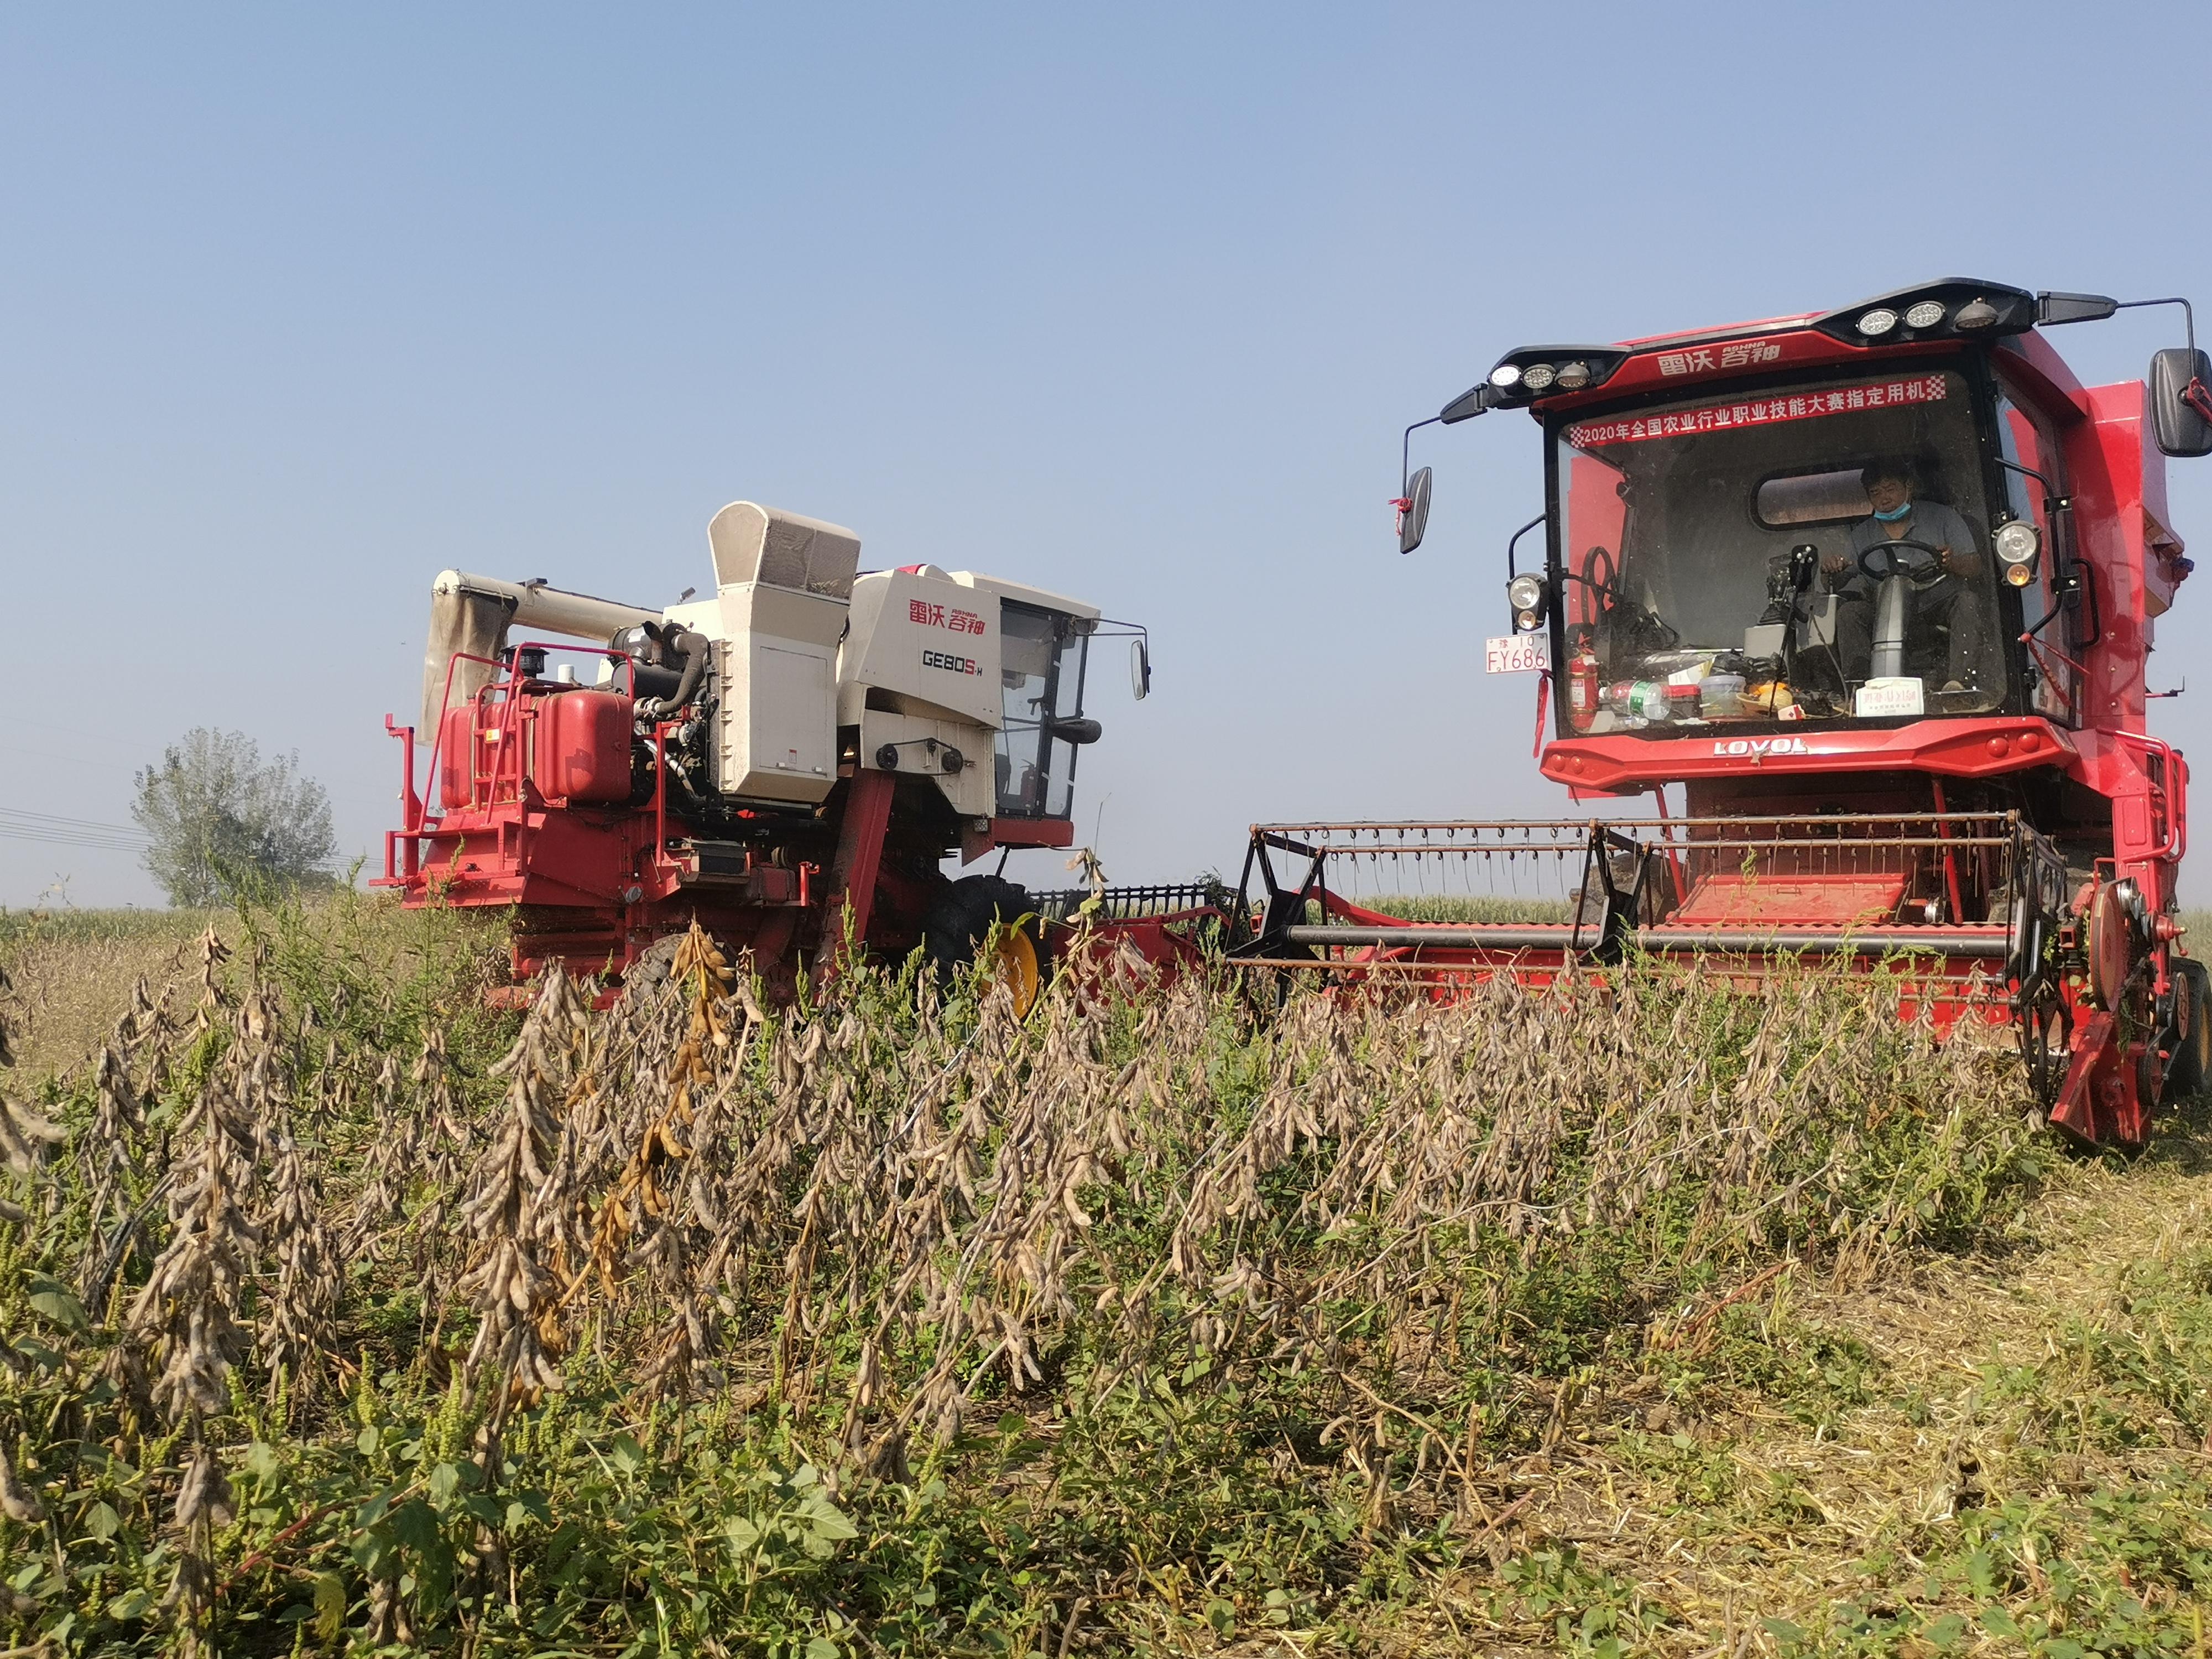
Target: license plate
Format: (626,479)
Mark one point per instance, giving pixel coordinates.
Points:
(1516,654)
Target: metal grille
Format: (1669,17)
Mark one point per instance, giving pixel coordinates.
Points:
(1127,903)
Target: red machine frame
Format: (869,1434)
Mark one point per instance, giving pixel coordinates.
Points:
(2107,1003)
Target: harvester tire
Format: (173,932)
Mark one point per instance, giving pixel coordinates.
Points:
(2192,1064)
(961,920)
(653,967)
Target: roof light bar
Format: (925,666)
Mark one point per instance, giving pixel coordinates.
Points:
(1529,373)
(1947,308)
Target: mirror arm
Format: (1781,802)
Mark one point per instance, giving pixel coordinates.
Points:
(1515,541)
(2188,315)
(1405,456)
(2053,502)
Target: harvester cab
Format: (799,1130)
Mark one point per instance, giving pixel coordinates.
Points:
(786,760)
(1876,587)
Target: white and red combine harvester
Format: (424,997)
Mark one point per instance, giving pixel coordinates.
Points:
(788,762)
(1875,588)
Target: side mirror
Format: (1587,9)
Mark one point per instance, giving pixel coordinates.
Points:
(1413,511)
(1140,669)
(1082,729)
(2181,402)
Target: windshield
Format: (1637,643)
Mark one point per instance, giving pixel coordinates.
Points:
(1820,551)
(1040,667)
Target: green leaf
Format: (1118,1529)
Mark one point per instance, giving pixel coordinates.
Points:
(52,1299)
(1783,1631)
(629,1456)
(415,1525)
(262,1462)
(445,1482)
(2058,1647)
(367,1441)
(132,1604)
(827,1521)
(1945,1632)
(742,1534)
(822,1648)
(101,1521)
(1998,1622)
(330,1606)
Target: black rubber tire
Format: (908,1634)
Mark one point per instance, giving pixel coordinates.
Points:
(2191,1064)
(653,967)
(963,913)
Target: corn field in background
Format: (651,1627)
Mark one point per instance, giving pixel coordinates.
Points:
(339,1314)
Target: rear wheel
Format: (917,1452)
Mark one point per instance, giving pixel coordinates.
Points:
(2190,1066)
(962,918)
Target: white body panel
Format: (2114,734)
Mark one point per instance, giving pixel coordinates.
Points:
(775,674)
(929,642)
(782,586)
(970,789)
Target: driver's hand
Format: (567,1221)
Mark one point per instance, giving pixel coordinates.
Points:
(1835,564)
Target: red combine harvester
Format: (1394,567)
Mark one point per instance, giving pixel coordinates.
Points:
(1876,587)
(787,762)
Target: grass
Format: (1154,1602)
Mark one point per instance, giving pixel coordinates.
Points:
(341,1314)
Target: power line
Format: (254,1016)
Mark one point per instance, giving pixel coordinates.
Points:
(91,842)
(24,813)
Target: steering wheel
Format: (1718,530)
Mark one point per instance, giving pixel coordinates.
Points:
(1923,569)
(1605,590)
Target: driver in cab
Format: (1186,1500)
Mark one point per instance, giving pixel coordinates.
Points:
(1948,588)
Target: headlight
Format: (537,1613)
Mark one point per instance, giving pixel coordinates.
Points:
(2018,542)
(1506,375)
(1926,314)
(1573,377)
(1525,591)
(1537,376)
(1879,320)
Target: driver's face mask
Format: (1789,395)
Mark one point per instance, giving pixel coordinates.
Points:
(1894,513)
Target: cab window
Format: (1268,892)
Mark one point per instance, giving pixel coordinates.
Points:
(2025,440)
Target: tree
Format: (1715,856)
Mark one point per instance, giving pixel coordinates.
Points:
(222,818)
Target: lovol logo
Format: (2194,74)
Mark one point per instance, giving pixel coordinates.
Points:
(951,664)
(1762,746)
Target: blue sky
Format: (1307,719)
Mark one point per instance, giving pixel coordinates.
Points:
(302,305)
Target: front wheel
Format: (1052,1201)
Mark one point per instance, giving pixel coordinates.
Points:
(963,918)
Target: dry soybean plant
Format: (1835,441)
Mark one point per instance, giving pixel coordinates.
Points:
(403,1288)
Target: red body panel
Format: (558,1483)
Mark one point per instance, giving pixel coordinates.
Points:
(1972,748)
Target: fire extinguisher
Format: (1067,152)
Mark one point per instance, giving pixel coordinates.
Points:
(1582,687)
